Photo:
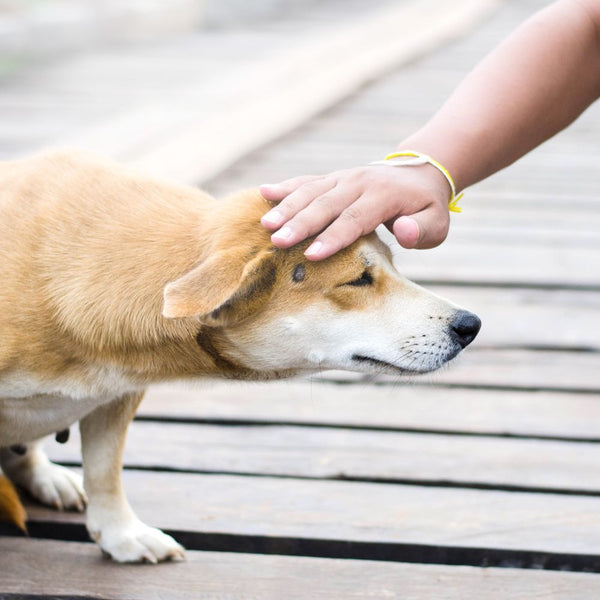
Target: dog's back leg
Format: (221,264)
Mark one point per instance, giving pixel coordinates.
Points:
(48,483)
(111,521)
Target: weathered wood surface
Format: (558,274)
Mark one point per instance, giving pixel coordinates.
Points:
(526,369)
(359,512)
(342,454)
(530,317)
(506,261)
(51,567)
(411,407)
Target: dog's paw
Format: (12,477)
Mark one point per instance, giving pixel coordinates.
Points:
(53,485)
(137,543)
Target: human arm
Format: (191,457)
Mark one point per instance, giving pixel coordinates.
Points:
(530,87)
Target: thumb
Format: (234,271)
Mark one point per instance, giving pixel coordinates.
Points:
(425,229)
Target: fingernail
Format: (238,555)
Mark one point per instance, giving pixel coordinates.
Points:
(283,234)
(273,217)
(314,249)
(268,187)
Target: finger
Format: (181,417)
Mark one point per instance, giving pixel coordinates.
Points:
(358,219)
(425,229)
(287,212)
(319,213)
(274,192)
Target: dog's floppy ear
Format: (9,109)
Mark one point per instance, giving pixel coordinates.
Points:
(223,289)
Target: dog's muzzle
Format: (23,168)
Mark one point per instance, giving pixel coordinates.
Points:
(464,327)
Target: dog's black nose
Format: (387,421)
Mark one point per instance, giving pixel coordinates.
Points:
(465,327)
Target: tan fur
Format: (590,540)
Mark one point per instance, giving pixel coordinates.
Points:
(111,281)
(11,509)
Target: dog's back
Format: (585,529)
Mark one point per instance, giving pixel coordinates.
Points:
(74,233)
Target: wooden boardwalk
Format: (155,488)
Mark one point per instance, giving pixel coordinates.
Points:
(479,481)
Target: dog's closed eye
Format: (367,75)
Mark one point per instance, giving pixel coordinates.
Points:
(365,279)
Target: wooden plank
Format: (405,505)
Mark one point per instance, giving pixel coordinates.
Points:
(497,262)
(529,317)
(525,369)
(364,405)
(529,369)
(522,229)
(547,201)
(362,455)
(48,567)
(378,121)
(530,175)
(361,512)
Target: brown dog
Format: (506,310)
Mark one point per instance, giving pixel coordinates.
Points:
(111,281)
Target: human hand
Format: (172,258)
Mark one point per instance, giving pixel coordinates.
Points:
(412,201)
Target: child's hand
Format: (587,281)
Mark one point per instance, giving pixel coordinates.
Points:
(411,201)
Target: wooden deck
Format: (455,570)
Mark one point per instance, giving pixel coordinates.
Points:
(482,480)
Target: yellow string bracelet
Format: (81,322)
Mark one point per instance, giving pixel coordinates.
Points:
(409,158)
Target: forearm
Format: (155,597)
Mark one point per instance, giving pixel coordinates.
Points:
(532,86)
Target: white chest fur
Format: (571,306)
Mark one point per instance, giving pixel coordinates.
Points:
(31,408)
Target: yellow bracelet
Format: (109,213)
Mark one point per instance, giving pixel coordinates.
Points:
(409,158)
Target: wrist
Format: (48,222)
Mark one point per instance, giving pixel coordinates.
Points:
(450,149)
(413,158)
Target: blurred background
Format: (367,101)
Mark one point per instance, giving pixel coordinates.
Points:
(185,87)
(47,28)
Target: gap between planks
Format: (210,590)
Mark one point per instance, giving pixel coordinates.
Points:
(396,552)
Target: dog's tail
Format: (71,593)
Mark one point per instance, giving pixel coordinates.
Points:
(11,509)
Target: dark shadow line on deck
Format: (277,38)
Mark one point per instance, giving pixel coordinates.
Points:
(4,596)
(519,285)
(538,348)
(345,549)
(343,477)
(489,387)
(233,422)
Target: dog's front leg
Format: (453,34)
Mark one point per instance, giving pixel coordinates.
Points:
(111,522)
(49,483)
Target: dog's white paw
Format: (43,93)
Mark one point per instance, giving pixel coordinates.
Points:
(52,484)
(137,542)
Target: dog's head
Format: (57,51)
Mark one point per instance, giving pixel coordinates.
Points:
(271,311)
